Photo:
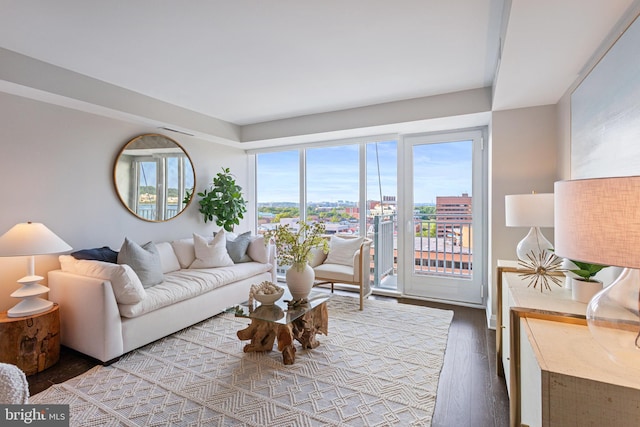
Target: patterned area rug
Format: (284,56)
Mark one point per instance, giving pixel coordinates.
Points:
(377,367)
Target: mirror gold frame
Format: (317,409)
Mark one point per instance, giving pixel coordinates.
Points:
(152,174)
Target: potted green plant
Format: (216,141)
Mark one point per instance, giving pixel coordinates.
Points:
(584,285)
(586,271)
(295,248)
(223,201)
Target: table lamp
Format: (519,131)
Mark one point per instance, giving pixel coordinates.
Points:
(533,210)
(598,221)
(29,239)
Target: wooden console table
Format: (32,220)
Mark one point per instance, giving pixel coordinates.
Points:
(32,343)
(557,375)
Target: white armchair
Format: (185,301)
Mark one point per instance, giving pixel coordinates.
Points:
(348,262)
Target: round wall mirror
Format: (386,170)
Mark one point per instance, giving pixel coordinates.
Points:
(153,175)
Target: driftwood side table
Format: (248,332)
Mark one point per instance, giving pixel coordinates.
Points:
(32,343)
(285,324)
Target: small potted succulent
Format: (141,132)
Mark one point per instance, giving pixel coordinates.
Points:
(584,285)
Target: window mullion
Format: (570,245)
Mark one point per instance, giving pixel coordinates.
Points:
(362,199)
(303,184)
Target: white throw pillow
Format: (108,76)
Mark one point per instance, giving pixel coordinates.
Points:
(185,251)
(168,259)
(341,250)
(257,250)
(126,285)
(211,254)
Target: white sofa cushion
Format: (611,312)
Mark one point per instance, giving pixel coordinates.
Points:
(144,260)
(337,272)
(257,250)
(211,254)
(184,284)
(185,251)
(342,250)
(126,285)
(168,259)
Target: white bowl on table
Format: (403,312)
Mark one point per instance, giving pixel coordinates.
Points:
(268,299)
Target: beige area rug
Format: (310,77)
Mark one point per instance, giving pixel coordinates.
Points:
(377,367)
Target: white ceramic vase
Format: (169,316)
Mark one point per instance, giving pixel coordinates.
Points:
(583,291)
(300,280)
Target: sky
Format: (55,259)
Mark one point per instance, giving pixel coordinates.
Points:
(441,169)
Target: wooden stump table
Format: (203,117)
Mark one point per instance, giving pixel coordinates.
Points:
(31,342)
(301,324)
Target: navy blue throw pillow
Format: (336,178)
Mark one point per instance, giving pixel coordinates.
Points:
(104,253)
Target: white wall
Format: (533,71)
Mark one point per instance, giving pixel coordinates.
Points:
(522,160)
(56,166)
(564,137)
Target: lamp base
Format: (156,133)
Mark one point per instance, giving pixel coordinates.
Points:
(533,244)
(613,316)
(30,306)
(30,292)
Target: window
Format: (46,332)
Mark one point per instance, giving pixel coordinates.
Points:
(277,188)
(342,186)
(333,189)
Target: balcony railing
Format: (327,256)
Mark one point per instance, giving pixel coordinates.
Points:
(149,212)
(440,247)
(384,250)
(447,251)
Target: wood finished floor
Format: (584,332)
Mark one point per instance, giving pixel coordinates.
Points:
(470,394)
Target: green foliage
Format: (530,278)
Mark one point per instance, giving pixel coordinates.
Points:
(294,247)
(586,271)
(428,229)
(426,212)
(287,213)
(187,196)
(223,201)
(147,189)
(280,212)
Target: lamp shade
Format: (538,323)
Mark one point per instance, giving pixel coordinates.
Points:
(598,220)
(31,238)
(529,210)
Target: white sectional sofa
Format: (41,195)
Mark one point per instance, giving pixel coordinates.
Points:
(106,309)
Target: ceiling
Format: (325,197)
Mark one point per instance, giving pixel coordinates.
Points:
(254,61)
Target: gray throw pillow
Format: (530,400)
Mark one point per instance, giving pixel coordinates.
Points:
(237,248)
(144,261)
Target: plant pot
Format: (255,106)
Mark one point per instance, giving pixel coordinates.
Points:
(583,291)
(300,280)
(567,265)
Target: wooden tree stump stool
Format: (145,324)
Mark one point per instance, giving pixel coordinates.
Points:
(32,343)
(303,329)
